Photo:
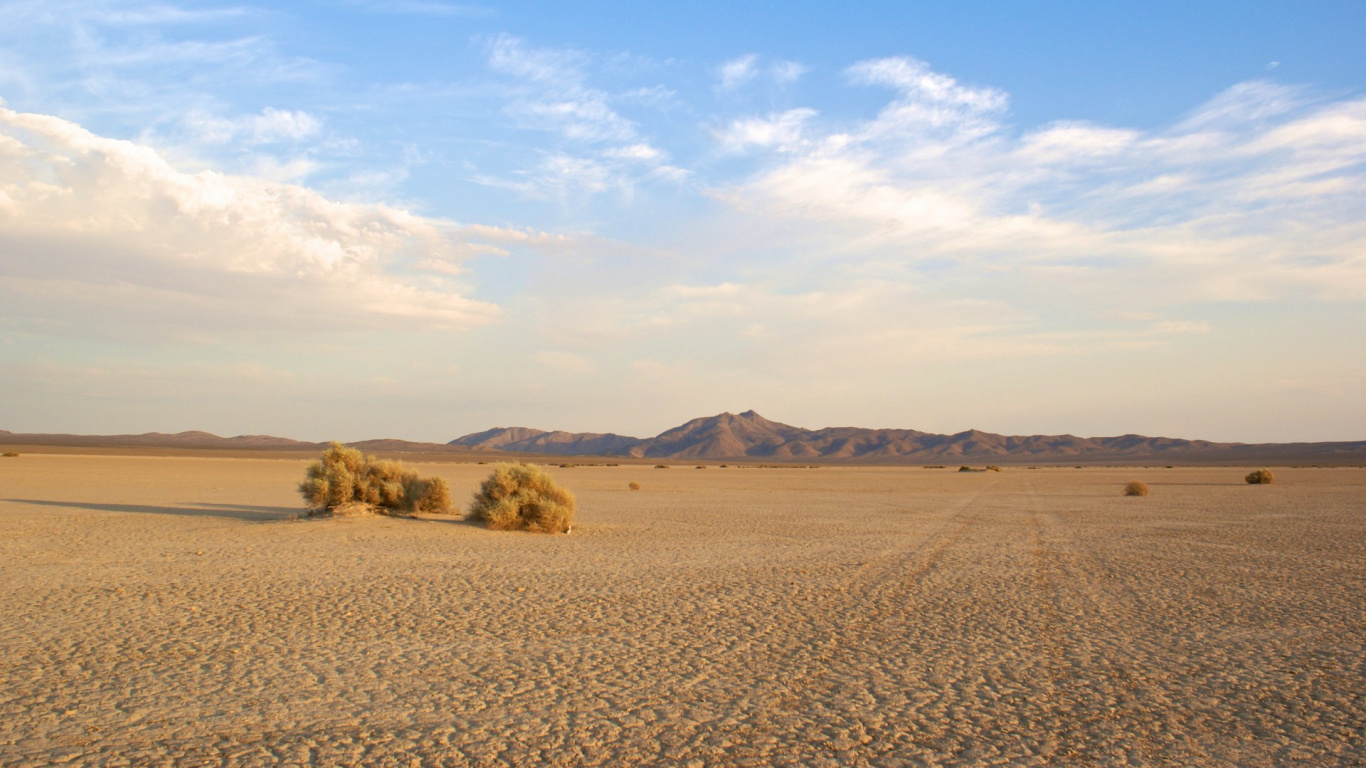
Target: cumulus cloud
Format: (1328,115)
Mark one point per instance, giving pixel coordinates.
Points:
(102,228)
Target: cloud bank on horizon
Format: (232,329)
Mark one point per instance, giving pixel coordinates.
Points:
(207,223)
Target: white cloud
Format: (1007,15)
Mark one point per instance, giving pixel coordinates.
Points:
(1257,195)
(917,82)
(270,126)
(787,72)
(102,228)
(1072,142)
(423,8)
(554,94)
(780,131)
(641,152)
(738,71)
(743,70)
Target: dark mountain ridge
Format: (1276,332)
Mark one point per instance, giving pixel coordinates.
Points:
(750,436)
(729,436)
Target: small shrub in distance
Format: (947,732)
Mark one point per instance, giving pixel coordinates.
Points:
(1136,488)
(347,482)
(633,485)
(993,468)
(661,466)
(11,455)
(1260,477)
(522,497)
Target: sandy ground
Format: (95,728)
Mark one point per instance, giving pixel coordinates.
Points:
(169,611)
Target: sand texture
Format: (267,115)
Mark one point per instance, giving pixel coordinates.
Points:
(168,611)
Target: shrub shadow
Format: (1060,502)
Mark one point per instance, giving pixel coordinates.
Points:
(194,509)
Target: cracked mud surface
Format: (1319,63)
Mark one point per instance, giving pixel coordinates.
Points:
(168,611)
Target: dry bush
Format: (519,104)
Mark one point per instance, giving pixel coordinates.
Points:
(522,497)
(1136,488)
(345,480)
(993,468)
(661,466)
(10,455)
(633,485)
(1260,477)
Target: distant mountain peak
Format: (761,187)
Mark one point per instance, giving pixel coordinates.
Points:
(729,435)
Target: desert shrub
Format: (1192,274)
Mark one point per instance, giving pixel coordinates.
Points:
(347,482)
(522,497)
(633,485)
(699,466)
(993,468)
(430,495)
(1260,477)
(10,455)
(661,466)
(1136,488)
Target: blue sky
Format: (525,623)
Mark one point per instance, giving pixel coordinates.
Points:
(419,219)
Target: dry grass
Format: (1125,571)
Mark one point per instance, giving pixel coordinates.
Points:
(1260,477)
(522,497)
(633,485)
(1136,488)
(344,478)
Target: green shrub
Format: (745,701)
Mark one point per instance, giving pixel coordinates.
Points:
(347,482)
(1260,477)
(522,497)
(1136,488)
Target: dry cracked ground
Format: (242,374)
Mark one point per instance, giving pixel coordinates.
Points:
(168,611)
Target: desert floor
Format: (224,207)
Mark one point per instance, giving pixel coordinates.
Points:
(171,611)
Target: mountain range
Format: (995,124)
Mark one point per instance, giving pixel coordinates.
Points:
(749,436)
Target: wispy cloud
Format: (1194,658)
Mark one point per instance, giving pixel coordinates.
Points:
(1247,198)
(553,92)
(271,125)
(424,8)
(603,150)
(738,71)
(782,131)
(743,70)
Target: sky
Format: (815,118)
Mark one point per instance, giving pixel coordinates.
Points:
(419,219)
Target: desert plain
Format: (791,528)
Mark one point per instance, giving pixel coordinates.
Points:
(177,610)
